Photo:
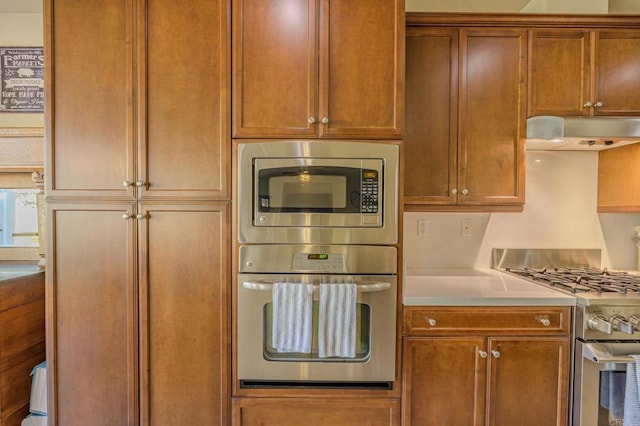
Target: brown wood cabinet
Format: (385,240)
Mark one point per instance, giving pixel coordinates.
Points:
(138,114)
(486,365)
(318,68)
(582,72)
(465,117)
(316,411)
(22,340)
(619,180)
(138,175)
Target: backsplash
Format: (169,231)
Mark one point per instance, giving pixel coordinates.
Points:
(560,212)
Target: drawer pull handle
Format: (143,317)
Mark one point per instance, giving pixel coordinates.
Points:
(545,322)
(432,322)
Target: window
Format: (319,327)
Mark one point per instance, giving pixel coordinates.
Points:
(18,218)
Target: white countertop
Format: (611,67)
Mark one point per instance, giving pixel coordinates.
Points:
(476,287)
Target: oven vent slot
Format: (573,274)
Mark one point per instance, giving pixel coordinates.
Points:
(292,384)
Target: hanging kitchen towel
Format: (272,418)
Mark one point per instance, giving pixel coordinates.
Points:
(337,321)
(612,390)
(292,317)
(632,393)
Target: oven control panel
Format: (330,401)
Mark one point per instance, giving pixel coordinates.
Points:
(317,262)
(609,322)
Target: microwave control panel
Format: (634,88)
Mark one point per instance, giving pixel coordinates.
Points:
(318,262)
(369,191)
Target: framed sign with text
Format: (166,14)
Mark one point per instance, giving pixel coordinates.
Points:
(22,79)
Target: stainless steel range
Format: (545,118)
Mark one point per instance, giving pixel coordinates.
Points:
(606,325)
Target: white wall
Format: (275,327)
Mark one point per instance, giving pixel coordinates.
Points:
(21,30)
(560,212)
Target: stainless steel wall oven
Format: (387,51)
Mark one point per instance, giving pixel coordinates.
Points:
(316,294)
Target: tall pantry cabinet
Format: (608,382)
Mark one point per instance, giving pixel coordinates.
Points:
(138,189)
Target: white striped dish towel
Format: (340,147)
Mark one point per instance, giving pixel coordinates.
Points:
(337,321)
(292,317)
(612,389)
(632,393)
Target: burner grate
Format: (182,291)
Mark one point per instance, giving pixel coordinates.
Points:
(582,280)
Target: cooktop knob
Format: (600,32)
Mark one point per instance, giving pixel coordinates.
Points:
(599,322)
(621,324)
(635,320)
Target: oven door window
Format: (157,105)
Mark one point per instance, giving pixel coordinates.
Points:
(317,189)
(362,344)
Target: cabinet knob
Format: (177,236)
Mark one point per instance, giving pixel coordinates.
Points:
(598,104)
(140,183)
(325,120)
(495,354)
(432,322)
(126,183)
(483,354)
(588,104)
(465,191)
(311,120)
(126,216)
(454,191)
(545,322)
(140,216)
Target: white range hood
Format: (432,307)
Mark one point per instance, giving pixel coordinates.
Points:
(549,133)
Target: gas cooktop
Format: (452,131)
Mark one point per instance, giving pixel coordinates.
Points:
(574,271)
(582,280)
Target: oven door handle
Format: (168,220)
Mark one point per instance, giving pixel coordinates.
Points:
(361,288)
(600,353)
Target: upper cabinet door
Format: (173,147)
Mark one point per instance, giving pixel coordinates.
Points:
(275,68)
(583,72)
(430,140)
(492,117)
(559,72)
(183,104)
(617,72)
(89,97)
(362,73)
(304,68)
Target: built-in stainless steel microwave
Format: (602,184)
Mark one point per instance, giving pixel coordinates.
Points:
(330,192)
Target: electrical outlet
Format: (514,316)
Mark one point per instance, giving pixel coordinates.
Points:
(423,227)
(467,227)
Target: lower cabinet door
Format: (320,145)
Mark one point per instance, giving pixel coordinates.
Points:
(92,341)
(528,381)
(183,310)
(316,411)
(444,381)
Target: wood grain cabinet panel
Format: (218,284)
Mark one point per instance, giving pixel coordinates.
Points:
(465,117)
(317,68)
(22,342)
(183,99)
(487,366)
(138,114)
(619,180)
(184,309)
(430,144)
(582,72)
(92,340)
(444,381)
(316,411)
(89,97)
(138,224)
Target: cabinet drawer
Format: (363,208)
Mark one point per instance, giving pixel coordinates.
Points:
(521,320)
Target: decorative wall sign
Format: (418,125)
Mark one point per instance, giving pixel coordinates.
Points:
(22,78)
